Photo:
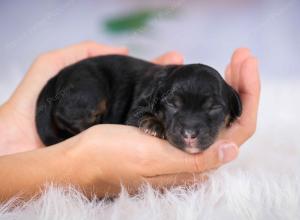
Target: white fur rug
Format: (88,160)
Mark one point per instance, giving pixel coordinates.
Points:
(263,183)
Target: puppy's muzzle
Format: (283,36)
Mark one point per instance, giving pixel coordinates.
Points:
(190,137)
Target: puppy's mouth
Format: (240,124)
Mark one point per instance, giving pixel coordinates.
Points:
(192,150)
(191,145)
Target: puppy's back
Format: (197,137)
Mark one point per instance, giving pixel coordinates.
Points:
(100,79)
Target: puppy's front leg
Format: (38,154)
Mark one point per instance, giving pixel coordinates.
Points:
(147,122)
(151,125)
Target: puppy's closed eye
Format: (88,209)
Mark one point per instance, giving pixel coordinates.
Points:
(215,110)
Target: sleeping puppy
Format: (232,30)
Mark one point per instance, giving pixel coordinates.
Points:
(188,105)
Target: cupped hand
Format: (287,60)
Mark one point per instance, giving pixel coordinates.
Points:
(17,115)
(106,155)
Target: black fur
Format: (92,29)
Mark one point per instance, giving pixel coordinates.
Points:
(186,104)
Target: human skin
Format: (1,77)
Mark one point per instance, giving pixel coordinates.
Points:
(102,157)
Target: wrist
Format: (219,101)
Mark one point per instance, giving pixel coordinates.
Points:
(78,166)
(7,133)
(66,153)
(39,168)
(86,167)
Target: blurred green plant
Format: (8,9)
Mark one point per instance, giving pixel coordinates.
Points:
(135,20)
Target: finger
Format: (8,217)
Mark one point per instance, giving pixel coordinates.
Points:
(77,52)
(249,90)
(216,155)
(173,160)
(237,59)
(228,74)
(49,64)
(168,58)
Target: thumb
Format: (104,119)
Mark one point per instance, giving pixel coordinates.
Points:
(169,58)
(219,153)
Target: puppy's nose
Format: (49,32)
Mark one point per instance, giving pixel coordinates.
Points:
(190,133)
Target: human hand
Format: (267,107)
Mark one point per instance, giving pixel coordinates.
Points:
(243,75)
(17,115)
(104,157)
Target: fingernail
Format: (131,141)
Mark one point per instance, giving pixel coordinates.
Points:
(228,152)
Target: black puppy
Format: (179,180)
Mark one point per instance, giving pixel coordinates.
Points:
(186,104)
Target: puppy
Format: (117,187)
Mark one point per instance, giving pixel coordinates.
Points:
(188,105)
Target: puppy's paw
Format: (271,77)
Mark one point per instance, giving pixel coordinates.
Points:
(150,125)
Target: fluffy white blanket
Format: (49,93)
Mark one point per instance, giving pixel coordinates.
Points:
(263,183)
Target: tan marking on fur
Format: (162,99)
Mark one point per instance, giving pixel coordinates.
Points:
(102,106)
(226,121)
(145,121)
(101,109)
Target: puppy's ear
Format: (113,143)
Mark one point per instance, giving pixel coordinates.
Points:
(151,96)
(235,103)
(162,84)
